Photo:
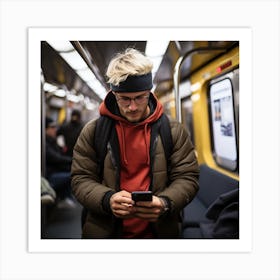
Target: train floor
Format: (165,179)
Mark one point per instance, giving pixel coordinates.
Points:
(61,223)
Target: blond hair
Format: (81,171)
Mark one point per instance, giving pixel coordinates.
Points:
(129,63)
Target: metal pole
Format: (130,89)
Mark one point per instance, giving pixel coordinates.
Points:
(176,79)
(177,75)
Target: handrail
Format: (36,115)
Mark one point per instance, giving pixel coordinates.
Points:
(177,75)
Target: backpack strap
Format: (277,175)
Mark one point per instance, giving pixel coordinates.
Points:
(166,139)
(103,129)
(102,133)
(162,128)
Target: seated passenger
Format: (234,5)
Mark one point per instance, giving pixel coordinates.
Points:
(48,194)
(58,167)
(70,131)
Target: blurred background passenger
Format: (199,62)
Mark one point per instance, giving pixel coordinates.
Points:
(58,167)
(48,194)
(71,131)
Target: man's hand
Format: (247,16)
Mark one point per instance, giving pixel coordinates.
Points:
(122,205)
(149,210)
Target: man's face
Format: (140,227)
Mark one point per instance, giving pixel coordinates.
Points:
(133,105)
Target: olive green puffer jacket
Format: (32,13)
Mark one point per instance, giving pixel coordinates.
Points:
(180,188)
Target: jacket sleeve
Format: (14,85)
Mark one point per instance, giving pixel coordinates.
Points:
(184,171)
(84,172)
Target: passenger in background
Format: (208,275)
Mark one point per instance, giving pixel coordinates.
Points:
(48,194)
(58,167)
(71,131)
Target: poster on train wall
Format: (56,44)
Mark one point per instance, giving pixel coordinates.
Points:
(223,120)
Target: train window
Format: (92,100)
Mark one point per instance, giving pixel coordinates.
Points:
(223,123)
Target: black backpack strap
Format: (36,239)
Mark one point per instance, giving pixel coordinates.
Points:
(162,127)
(166,139)
(102,133)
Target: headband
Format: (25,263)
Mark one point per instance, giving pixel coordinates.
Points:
(134,84)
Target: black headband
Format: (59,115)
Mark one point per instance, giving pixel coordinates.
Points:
(134,84)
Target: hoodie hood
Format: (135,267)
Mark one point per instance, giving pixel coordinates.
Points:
(109,107)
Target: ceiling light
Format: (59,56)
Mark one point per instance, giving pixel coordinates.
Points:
(97,87)
(156,48)
(74,60)
(73,98)
(49,87)
(60,93)
(86,74)
(61,46)
(155,51)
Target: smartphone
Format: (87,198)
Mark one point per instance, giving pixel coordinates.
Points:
(142,196)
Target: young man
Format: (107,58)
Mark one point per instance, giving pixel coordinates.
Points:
(135,161)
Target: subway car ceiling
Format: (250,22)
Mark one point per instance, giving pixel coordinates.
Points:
(96,55)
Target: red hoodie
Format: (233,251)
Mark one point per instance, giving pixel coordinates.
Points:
(134,141)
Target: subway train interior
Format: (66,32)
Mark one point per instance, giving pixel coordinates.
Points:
(198,84)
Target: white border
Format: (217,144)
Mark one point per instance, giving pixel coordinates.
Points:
(36,35)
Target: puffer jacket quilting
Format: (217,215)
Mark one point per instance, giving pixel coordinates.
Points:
(89,192)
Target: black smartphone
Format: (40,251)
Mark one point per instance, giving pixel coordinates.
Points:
(142,196)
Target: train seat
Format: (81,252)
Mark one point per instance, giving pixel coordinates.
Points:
(212,185)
